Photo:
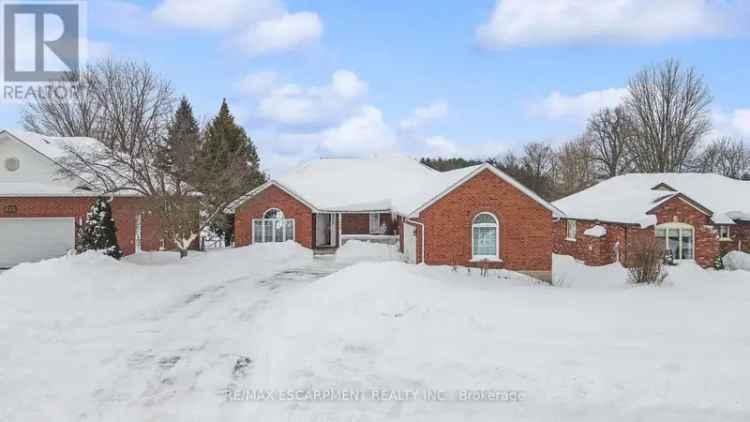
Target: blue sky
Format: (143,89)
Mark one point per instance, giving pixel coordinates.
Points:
(309,78)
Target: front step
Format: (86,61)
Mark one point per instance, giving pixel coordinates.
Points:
(324,251)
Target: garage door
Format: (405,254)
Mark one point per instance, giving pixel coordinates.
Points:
(34,239)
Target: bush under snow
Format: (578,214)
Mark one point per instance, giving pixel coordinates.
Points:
(736,260)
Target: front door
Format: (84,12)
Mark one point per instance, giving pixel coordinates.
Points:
(326,230)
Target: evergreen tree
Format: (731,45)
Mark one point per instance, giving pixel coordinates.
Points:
(229,164)
(179,152)
(99,232)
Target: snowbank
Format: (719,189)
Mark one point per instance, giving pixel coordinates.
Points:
(736,260)
(596,231)
(358,250)
(92,285)
(576,354)
(567,272)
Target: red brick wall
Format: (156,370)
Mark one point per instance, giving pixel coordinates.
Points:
(525,225)
(601,251)
(124,211)
(360,223)
(740,235)
(273,197)
(706,236)
(593,251)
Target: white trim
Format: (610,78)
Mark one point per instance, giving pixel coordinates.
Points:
(271,209)
(513,182)
(728,237)
(138,233)
(72,219)
(273,231)
(244,198)
(423,235)
(374,229)
(680,227)
(17,138)
(567,229)
(496,226)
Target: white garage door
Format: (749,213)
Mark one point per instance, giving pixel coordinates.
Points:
(410,243)
(34,239)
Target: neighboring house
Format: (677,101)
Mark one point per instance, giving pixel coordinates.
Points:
(40,210)
(474,216)
(698,217)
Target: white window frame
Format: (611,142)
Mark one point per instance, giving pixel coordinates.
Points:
(273,209)
(571,224)
(680,227)
(725,236)
(496,226)
(283,221)
(374,218)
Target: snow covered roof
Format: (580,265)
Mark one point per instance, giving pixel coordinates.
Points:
(384,183)
(629,198)
(54,149)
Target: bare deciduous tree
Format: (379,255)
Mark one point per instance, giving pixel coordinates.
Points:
(576,167)
(725,156)
(133,121)
(669,107)
(610,131)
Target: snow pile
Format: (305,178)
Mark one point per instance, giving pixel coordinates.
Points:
(736,260)
(667,352)
(357,250)
(596,231)
(567,272)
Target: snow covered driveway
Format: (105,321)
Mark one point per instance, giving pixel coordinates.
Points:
(89,338)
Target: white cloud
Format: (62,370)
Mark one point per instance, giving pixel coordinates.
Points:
(258,26)
(258,83)
(440,146)
(425,114)
(361,134)
(532,23)
(734,123)
(347,84)
(557,105)
(290,104)
(215,15)
(283,33)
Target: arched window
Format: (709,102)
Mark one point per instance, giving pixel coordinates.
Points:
(679,238)
(485,237)
(274,214)
(273,227)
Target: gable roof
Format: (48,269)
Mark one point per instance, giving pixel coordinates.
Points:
(629,198)
(386,183)
(470,172)
(49,148)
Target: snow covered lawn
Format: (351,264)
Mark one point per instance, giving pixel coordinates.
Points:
(579,352)
(152,338)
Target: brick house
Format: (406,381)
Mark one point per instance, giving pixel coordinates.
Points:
(699,217)
(40,210)
(476,216)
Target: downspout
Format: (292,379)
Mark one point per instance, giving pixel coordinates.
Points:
(423,235)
